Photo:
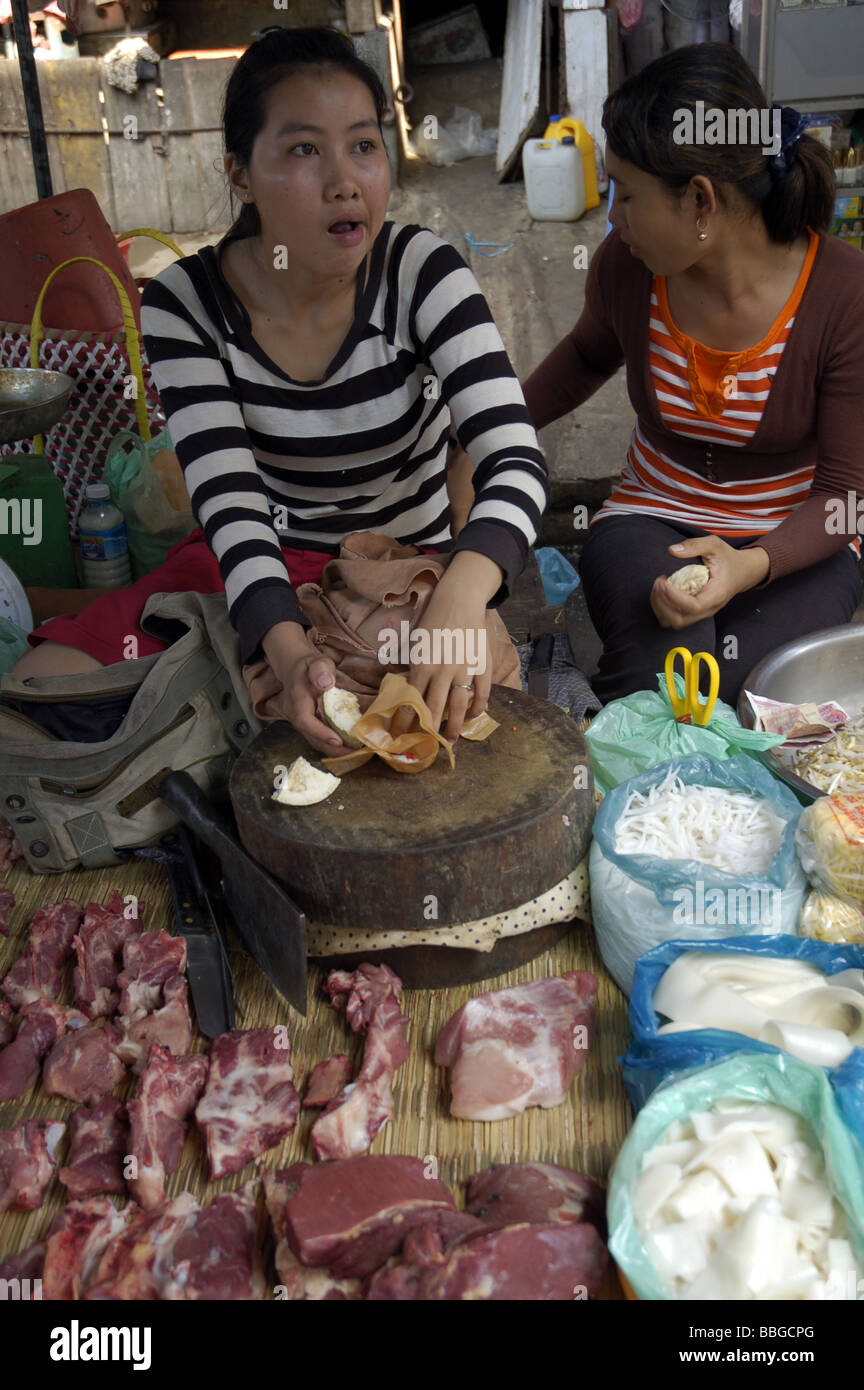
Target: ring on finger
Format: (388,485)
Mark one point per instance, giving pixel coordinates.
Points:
(459,686)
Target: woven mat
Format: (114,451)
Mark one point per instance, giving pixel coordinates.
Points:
(584,1133)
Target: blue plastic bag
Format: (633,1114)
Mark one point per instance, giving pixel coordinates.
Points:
(557,574)
(777,1080)
(652,1057)
(639,900)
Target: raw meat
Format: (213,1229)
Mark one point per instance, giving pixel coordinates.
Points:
(327,1080)
(357,992)
(216,1255)
(27,1265)
(41,1024)
(99,951)
(7,902)
(250,1102)
(136,1264)
(518,1047)
(509,1194)
(37,974)
(352,1215)
(83,1065)
(154,1001)
(98,1141)
(424,1246)
(27,1163)
(10,849)
(370,997)
(302,1285)
(520,1264)
(76,1243)
(166,1095)
(7,1027)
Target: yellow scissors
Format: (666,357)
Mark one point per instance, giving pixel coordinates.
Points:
(690,710)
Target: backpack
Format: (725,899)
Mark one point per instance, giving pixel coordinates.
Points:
(91,804)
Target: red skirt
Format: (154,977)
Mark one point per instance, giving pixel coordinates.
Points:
(103,629)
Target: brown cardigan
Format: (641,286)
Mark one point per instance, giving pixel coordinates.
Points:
(815,410)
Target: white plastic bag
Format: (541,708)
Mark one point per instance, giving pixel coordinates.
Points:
(462,138)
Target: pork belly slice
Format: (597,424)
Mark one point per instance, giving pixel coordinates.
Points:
(349,1217)
(518,1047)
(75,1246)
(166,1095)
(154,1000)
(509,1194)
(41,1024)
(37,974)
(520,1264)
(99,945)
(136,1264)
(27,1265)
(251,1102)
(352,1119)
(27,1162)
(215,1256)
(98,1142)
(326,1080)
(356,993)
(7,902)
(7,1027)
(83,1065)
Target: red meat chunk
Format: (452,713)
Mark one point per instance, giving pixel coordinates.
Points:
(99,947)
(42,1023)
(521,1264)
(137,1263)
(37,974)
(356,993)
(98,1142)
(166,1095)
(27,1163)
(154,1000)
(250,1102)
(508,1194)
(327,1080)
(216,1255)
(76,1243)
(83,1065)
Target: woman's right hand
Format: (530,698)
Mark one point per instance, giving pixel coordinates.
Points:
(304,675)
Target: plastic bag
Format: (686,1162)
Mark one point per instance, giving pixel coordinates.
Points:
(463,137)
(828,918)
(777,1080)
(653,1057)
(639,900)
(13,644)
(558,576)
(830,841)
(153,524)
(636,733)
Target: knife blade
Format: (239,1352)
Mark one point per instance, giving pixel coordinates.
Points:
(212,992)
(269,925)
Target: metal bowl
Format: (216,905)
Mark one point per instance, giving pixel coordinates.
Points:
(827,665)
(31,401)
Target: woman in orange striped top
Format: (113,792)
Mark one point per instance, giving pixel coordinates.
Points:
(741,325)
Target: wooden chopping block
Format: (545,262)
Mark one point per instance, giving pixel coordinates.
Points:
(391,851)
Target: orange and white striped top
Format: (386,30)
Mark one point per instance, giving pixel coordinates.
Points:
(716,397)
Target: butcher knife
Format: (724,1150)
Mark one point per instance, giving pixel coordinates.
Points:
(270,927)
(539,665)
(207,966)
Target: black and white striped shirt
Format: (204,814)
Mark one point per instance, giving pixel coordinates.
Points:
(269,459)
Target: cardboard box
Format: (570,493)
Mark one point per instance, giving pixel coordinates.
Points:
(848,223)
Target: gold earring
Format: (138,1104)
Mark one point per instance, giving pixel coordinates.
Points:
(701,233)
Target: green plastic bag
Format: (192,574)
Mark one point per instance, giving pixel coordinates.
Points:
(153,526)
(640,731)
(769,1080)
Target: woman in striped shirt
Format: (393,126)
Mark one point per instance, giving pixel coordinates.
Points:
(310,366)
(741,325)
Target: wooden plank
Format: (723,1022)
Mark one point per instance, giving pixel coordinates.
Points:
(589,65)
(70,102)
(520,83)
(17,179)
(184,174)
(138,172)
(204,84)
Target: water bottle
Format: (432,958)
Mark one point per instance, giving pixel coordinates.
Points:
(102,533)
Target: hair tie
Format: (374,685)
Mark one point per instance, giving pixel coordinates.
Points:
(792,127)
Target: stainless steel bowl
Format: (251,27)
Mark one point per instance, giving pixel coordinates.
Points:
(31,401)
(827,665)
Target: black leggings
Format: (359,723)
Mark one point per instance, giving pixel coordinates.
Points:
(622,557)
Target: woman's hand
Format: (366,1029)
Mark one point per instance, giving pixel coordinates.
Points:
(304,674)
(731,572)
(458,608)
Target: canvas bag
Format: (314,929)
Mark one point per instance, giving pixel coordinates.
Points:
(89,804)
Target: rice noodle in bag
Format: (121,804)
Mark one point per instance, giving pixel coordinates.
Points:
(830,841)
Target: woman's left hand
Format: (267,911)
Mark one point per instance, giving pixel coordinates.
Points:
(731,572)
(457,607)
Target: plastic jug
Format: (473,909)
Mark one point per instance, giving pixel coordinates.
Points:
(554,180)
(559,128)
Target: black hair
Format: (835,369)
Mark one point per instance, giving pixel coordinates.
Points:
(274,55)
(792,191)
